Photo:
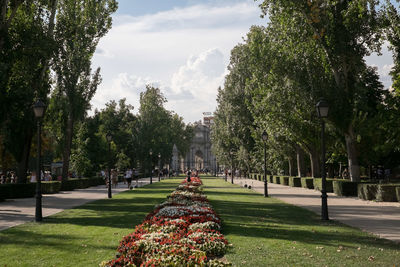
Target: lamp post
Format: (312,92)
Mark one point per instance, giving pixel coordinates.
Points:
(159,167)
(151,166)
(322,111)
(231,154)
(38,109)
(109,138)
(265,138)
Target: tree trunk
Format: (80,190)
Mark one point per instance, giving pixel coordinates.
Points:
(22,163)
(354,167)
(67,146)
(301,165)
(315,164)
(292,166)
(331,170)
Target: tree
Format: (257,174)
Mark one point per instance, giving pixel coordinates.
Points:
(25,50)
(80,25)
(344,33)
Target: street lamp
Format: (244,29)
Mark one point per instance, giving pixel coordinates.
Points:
(265,138)
(159,167)
(231,154)
(151,166)
(38,109)
(109,138)
(322,111)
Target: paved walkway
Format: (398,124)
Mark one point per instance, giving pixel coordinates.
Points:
(18,211)
(380,218)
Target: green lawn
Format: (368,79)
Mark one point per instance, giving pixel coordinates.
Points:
(83,236)
(268,232)
(264,232)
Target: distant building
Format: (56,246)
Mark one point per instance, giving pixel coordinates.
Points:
(199,155)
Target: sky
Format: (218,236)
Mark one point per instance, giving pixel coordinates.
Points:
(180,46)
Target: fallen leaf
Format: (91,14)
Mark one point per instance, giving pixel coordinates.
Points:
(371,258)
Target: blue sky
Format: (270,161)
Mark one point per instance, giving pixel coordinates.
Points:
(180,46)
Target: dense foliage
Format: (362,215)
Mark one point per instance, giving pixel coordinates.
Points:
(311,50)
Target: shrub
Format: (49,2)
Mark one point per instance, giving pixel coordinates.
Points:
(94,181)
(398,193)
(276,180)
(271,179)
(367,191)
(285,180)
(387,192)
(295,181)
(345,188)
(51,187)
(318,185)
(8,191)
(307,182)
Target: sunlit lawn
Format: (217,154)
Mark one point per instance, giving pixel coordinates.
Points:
(83,236)
(268,232)
(263,232)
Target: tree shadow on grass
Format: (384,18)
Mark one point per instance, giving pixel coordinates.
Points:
(259,217)
(287,222)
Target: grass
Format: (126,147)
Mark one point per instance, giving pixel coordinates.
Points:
(263,232)
(268,232)
(84,236)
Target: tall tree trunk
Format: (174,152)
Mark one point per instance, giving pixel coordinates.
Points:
(331,170)
(301,165)
(22,162)
(292,166)
(315,163)
(67,146)
(354,167)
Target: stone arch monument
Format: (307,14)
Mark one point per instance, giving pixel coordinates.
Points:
(199,155)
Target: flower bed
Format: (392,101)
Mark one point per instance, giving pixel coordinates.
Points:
(182,231)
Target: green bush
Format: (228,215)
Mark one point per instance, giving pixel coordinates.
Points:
(367,191)
(295,181)
(95,181)
(318,185)
(271,179)
(345,188)
(387,192)
(398,193)
(276,180)
(8,191)
(285,180)
(51,187)
(307,182)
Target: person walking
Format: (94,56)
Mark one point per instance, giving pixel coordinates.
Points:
(114,177)
(128,177)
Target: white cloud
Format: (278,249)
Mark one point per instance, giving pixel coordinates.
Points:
(177,48)
(123,86)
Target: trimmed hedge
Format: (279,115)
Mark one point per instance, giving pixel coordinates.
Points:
(398,193)
(318,185)
(367,191)
(295,181)
(271,179)
(51,187)
(285,180)
(307,182)
(17,190)
(387,192)
(344,188)
(81,183)
(276,180)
